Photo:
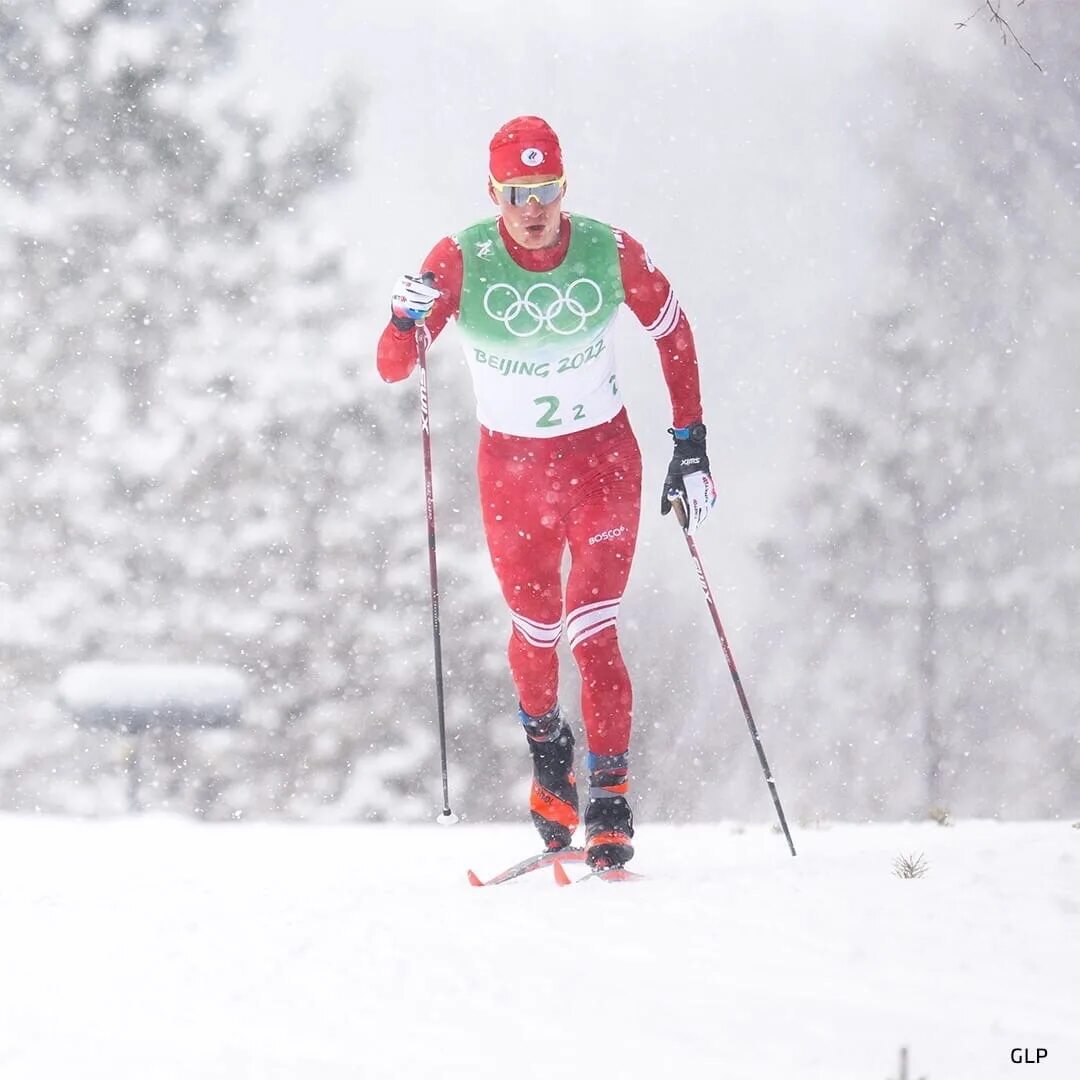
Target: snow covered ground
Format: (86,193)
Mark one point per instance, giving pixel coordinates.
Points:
(154,949)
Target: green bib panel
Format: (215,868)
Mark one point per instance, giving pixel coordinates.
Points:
(538,344)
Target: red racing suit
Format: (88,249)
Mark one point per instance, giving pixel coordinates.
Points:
(580,490)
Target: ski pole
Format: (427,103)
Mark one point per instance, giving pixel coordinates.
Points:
(447,817)
(679,507)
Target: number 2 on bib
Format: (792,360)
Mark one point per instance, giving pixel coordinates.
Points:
(551,408)
(549,418)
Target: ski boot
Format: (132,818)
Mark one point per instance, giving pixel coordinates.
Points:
(553,800)
(609,824)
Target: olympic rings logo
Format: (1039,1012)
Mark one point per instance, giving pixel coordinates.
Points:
(544,305)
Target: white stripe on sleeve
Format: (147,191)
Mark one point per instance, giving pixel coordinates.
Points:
(666,321)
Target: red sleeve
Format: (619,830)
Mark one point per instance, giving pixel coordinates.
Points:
(652,300)
(396,355)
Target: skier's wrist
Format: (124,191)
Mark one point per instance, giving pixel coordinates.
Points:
(689,453)
(694,432)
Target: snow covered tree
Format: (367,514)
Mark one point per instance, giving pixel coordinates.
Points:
(197,469)
(920,583)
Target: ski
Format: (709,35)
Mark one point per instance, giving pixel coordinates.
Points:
(606,873)
(533,862)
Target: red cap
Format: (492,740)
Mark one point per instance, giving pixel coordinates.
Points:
(525,146)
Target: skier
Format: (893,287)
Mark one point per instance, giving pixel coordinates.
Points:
(535,292)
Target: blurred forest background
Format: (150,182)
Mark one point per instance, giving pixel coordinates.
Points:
(871,218)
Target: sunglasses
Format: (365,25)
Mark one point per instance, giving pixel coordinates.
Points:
(514,194)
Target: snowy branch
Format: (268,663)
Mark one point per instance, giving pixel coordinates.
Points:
(999,20)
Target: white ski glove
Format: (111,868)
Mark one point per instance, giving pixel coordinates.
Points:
(697,498)
(412,300)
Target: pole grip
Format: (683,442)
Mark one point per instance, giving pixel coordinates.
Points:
(678,506)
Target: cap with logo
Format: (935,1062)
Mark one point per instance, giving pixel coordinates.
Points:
(523,147)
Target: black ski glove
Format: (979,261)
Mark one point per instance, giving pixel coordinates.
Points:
(688,478)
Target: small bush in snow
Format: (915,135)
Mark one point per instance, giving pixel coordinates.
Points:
(910,866)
